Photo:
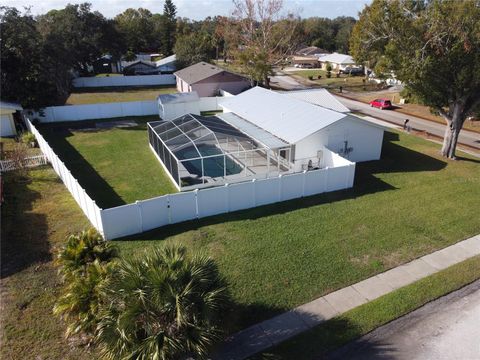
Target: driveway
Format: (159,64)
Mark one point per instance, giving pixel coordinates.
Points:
(466,137)
(445,329)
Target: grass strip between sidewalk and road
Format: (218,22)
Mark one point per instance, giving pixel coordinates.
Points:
(357,322)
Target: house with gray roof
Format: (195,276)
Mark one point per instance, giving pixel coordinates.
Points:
(207,80)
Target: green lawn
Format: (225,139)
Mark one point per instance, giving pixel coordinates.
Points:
(36,217)
(115,166)
(276,257)
(338,331)
(112,94)
(351,83)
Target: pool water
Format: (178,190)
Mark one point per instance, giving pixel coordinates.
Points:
(213,167)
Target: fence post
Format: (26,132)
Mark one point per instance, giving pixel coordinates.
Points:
(304,178)
(254,192)
(196,203)
(139,207)
(227,197)
(325,181)
(280,186)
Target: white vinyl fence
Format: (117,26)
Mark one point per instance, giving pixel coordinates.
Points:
(88,206)
(28,162)
(120,81)
(97,111)
(174,208)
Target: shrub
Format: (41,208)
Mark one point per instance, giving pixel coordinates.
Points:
(329,74)
(163,304)
(310,77)
(28,139)
(319,77)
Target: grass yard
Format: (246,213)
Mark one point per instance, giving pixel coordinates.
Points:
(112,94)
(115,166)
(338,331)
(276,257)
(36,217)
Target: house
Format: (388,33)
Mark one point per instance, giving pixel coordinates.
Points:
(305,61)
(106,65)
(319,97)
(306,128)
(167,65)
(207,80)
(261,134)
(8,116)
(171,106)
(140,67)
(337,61)
(311,51)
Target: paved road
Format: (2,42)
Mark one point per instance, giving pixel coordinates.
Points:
(446,329)
(286,82)
(466,137)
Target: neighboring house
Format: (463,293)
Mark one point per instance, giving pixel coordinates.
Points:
(338,61)
(207,80)
(311,51)
(320,97)
(140,67)
(306,128)
(105,65)
(167,65)
(8,114)
(311,61)
(171,106)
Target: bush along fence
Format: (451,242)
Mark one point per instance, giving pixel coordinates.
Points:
(121,81)
(149,214)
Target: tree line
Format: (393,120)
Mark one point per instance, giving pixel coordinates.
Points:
(40,54)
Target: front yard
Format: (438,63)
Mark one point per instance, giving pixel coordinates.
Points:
(274,257)
(114,165)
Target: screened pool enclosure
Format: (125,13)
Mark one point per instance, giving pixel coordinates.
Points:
(202,151)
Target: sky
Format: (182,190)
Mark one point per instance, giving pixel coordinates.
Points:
(198,9)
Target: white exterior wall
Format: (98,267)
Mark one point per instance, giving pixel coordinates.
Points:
(365,139)
(174,110)
(7,126)
(212,89)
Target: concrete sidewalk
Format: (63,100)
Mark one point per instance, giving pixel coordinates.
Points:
(271,332)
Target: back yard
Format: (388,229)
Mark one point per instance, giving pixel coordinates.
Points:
(111,94)
(274,257)
(114,165)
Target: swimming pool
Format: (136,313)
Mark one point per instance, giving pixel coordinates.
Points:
(212,167)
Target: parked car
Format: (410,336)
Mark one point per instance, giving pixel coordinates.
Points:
(382,104)
(353,71)
(304,66)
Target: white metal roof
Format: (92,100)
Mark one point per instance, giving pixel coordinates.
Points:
(167,60)
(320,97)
(285,117)
(10,105)
(177,98)
(253,131)
(337,58)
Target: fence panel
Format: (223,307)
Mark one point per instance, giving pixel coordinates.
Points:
(292,186)
(140,80)
(241,196)
(337,178)
(121,221)
(155,212)
(183,206)
(267,191)
(212,201)
(315,182)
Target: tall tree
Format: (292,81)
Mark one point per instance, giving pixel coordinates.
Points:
(169,27)
(22,78)
(433,47)
(194,47)
(136,27)
(265,34)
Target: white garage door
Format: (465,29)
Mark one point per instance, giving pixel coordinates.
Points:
(6,126)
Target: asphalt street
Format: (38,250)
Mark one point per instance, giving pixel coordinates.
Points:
(466,137)
(445,329)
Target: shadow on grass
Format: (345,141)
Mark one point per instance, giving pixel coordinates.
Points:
(24,235)
(395,159)
(319,342)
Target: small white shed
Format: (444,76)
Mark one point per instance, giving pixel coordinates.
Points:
(172,106)
(7,123)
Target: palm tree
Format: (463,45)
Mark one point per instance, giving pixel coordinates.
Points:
(162,305)
(82,249)
(81,297)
